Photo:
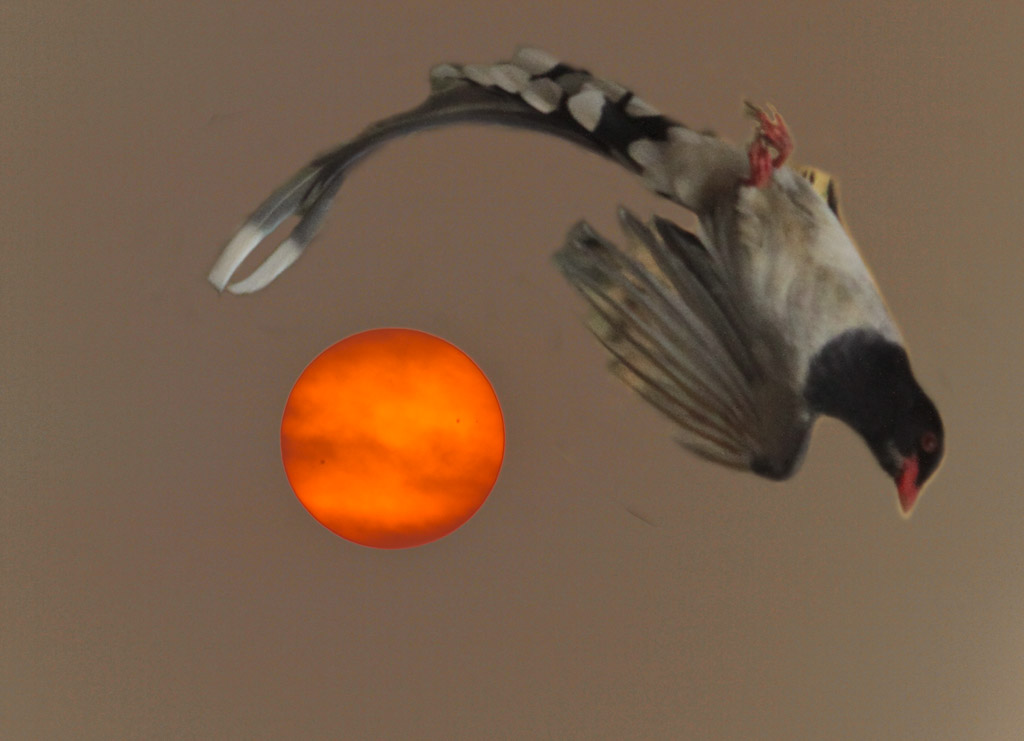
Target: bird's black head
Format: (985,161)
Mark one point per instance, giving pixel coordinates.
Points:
(915,448)
(865,380)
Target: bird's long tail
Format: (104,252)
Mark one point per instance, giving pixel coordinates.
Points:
(532,91)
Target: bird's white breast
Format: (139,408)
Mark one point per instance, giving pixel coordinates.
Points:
(803,278)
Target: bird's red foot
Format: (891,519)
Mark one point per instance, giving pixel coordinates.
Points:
(771,133)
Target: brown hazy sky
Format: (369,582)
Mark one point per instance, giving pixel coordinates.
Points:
(160,580)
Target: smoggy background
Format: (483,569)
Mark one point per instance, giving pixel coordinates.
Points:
(160,580)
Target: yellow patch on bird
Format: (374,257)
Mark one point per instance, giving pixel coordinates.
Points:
(824,185)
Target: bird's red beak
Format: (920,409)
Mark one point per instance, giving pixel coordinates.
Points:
(906,484)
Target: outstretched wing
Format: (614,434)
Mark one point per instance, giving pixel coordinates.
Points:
(532,91)
(664,308)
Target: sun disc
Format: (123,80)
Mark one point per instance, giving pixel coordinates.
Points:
(392,438)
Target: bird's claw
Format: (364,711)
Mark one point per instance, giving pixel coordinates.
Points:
(771,133)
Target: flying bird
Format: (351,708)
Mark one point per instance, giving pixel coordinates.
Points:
(742,335)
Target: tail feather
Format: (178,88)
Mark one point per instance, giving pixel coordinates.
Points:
(532,91)
(281,204)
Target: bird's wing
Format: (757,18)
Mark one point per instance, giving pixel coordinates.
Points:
(532,91)
(665,307)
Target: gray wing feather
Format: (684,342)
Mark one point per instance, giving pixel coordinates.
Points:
(662,309)
(638,308)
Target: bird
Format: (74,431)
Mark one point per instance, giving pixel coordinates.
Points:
(743,331)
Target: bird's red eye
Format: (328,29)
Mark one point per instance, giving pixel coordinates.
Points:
(929,442)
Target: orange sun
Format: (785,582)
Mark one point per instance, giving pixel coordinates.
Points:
(392,438)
